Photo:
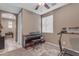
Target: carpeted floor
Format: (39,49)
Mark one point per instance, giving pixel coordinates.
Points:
(45,49)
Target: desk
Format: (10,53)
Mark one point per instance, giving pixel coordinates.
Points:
(32,40)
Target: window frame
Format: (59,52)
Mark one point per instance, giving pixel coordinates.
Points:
(52,29)
(10,24)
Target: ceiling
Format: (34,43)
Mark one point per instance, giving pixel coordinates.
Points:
(16,7)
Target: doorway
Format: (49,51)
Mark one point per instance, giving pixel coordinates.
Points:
(9,26)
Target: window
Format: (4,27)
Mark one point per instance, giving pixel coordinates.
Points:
(47,24)
(8,16)
(10,24)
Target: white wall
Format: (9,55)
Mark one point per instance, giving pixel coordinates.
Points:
(19,40)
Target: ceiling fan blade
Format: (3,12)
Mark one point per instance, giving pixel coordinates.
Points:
(46,6)
(37,7)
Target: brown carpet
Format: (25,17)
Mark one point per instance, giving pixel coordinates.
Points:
(41,50)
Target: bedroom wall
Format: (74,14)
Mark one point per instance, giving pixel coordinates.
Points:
(64,17)
(31,22)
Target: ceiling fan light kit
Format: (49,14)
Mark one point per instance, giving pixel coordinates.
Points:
(42,4)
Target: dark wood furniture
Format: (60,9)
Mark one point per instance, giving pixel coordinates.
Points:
(2,42)
(10,34)
(32,40)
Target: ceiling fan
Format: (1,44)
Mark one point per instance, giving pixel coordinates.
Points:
(43,4)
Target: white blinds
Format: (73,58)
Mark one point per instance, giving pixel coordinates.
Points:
(47,24)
